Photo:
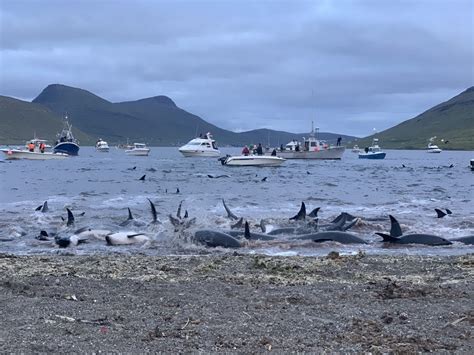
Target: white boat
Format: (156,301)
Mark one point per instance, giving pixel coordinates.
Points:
(102,146)
(32,151)
(139,149)
(433,148)
(200,147)
(372,152)
(311,148)
(356,149)
(252,160)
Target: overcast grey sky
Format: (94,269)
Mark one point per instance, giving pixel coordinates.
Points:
(351,66)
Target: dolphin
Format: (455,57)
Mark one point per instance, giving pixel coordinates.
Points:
(238,225)
(255,236)
(43,236)
(427,239)
(301,214)
(229,212)
(214,239)
(441,214)
(126,238)
(142,178)
(43,208)
(178,213)
(395,229)
(466,240)
(71,240)
(335,236)
(314,212)
(153,212)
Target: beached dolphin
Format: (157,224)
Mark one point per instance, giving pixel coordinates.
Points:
(43,236)
(301,213)
(427,239)
(214,239)
(43,208)
(466,240)
(70,240)
(229,212)
(335,236)
(126,238)
(255,236)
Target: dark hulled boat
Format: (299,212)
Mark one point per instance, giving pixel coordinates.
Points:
(66,143)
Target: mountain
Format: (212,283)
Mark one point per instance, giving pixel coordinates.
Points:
(452,121)
(155,120)
(22,120)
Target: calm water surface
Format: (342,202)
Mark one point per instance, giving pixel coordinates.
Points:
(104,185)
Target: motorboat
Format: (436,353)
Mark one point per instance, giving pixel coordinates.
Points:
(66,143)
(433,148)
(356,149)
(139,149)
(311,148)
(251,160)
(200,147)
(35,150)
(372,152)
(102,146)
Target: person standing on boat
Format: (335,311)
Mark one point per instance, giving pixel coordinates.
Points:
(42,147)
(31,147)
(339,141)
(259,149)
(245,151)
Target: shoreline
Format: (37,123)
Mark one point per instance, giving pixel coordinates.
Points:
(243,303)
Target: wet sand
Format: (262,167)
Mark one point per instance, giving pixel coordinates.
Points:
(236,303)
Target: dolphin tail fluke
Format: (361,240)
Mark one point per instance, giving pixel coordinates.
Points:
(439,213)
(386,237)
(229,212)
(395,229)
(153,211)
(70,218)
(301,214)
(247,231)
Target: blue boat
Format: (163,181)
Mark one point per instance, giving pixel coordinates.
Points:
(66,143)
(372,152)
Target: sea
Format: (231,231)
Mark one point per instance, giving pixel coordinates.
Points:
(100,187)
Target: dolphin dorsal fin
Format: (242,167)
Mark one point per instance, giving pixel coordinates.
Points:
(153,210)
(229,212)
(439,213)
(45,208)
(130,216)
(301,213)
(70,218)
(314,212)
(247,231)
(238,224)
(395,229)
(178,212)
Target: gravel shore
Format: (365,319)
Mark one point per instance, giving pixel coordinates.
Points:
(236,303)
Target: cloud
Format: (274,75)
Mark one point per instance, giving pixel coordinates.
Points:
(347,65)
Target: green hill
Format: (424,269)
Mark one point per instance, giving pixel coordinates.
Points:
(452,121)
(22,120)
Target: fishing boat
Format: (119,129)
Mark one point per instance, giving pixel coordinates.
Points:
(66,143)
(311,148)
(139,149)
(251,160)
(102,146)
(433,148)
(200,147)
(372,152)
(32,151)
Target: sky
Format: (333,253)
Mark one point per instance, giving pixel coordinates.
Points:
(350,66)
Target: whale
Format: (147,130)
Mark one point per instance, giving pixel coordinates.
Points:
(229,212)
(416,238)
(214,239)
(466,240)
(335,236)
(126,238)
(301,213)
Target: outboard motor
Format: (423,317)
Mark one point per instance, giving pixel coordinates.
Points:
(223,159)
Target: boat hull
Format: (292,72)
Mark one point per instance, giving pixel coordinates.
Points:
(103,150)
(436,150)
(380,155)
(138,152)
(68,148)
(12,154)
(258,160)
(200,153)
(333,153)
